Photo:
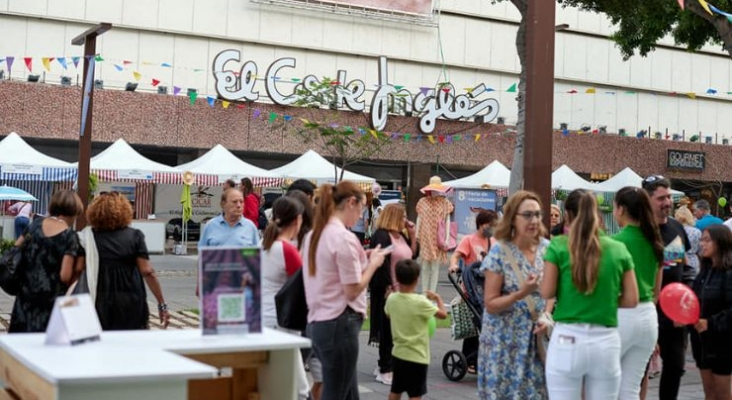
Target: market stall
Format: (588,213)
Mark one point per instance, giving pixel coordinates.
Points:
(221,163)
(314,167)
(26,168)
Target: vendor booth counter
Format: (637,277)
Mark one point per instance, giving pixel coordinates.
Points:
(154,365)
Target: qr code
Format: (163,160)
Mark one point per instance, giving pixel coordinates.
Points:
(231,307)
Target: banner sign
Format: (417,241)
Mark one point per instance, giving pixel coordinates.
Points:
(231,297)
(135,174)
(686,160)
(429,103)
(22,169)
(468,203)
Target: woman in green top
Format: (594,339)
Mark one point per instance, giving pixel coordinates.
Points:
(591,275)
(638,326)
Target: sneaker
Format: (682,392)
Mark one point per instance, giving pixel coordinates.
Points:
(385,378)
(376,371)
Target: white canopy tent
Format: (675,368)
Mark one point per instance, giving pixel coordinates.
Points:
(626,177)
(120,162)
(313,166)
(221,162)
(563,178)
(20,161)
(495,175)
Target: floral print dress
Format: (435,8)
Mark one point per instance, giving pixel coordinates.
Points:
(508,366)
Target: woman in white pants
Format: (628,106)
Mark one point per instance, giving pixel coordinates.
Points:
(591,275)
(638,326)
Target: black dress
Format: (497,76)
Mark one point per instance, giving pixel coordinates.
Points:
(40,279)
(121,299)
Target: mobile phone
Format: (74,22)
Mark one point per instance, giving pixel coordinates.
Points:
(389,247)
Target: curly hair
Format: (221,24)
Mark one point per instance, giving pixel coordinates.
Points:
(109,212)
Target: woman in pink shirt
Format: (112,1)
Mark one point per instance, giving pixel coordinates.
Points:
(473,248)
(336,273)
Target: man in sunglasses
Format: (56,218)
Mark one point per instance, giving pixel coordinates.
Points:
(671,336)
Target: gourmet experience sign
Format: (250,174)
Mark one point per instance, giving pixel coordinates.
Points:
(686,160)
(428,105)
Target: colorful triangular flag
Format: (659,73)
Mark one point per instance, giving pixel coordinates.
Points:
(166,65)
(137,75)
(155,82)
(691,95)
(711,91)
(287,118)
(9,60)
(98,57)
(211,100)
(62,61)
(76,61)
(681,4)
(477,137)
(705,6)
(192,95)
(225,104)
(125,62)
(119,67)
(431,139)
(28,63)
(46,63)
(512,89)
(590,90)
(176,90)
(257,112)
(572,91)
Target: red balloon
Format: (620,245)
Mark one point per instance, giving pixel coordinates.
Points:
(680,303)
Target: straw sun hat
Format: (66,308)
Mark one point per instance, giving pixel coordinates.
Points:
(435,186)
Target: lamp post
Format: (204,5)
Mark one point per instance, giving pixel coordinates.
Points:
(539,100)
(89,40)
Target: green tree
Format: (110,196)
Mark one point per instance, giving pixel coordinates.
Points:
(345,144)
(641,24)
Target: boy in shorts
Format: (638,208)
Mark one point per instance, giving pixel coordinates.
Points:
(409,313)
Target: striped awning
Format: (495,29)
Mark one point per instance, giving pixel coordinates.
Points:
(175,178)
(44,174)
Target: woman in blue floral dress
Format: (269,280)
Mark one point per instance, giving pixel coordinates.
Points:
(508,365)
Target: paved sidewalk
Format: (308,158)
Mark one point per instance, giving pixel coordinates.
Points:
(177,276)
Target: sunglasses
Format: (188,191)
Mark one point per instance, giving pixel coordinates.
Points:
(651,181)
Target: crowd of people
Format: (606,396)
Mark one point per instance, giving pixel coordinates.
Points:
(569,315)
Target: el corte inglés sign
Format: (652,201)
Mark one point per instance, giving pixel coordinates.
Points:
(428,104)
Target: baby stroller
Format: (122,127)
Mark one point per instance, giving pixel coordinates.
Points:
(455,363)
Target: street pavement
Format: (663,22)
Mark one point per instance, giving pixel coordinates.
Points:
(177,276)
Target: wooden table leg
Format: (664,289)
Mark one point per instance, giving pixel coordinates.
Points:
(244,385)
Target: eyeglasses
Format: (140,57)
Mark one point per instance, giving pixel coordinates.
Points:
(529,215)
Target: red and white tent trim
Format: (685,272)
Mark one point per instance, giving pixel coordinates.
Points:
(176,178)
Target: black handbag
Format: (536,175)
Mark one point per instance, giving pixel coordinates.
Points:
(10,265)
(291,305)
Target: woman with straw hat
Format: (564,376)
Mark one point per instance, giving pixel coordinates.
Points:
(432,209)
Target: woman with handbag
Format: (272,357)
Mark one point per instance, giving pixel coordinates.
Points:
(389,232)
(280,261)
(124,267)
(49,264)
(638,327)
(336,272)
(508,365)
(591,275)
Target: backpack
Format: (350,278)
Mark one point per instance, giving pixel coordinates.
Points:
(262,220)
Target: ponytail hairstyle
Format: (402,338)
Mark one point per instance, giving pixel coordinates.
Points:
(285,211)
(637,205)
(330,198)
(584,239)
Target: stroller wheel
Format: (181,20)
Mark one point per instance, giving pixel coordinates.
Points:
(454,365)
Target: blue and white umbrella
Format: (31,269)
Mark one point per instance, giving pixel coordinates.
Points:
(11,193)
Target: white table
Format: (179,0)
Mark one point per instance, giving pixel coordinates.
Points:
(151,365)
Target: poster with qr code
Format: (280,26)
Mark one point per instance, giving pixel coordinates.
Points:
(230,287)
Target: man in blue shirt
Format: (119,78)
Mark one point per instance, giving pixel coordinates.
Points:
(703,218)
(230,228)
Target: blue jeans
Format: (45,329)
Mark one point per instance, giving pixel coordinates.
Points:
(21,224)
(335,344)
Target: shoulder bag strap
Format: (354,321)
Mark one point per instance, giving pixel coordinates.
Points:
(520,278)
